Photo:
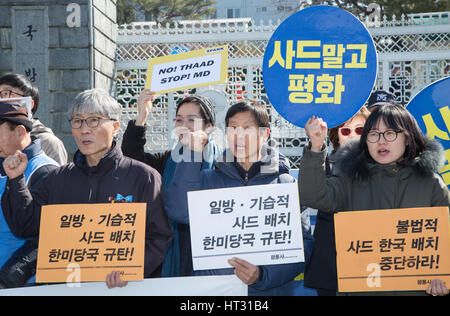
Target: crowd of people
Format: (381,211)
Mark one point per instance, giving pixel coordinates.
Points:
(367,150)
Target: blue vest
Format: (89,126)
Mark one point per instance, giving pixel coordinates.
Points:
(8,242)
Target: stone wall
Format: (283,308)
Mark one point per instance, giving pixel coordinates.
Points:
(64,46)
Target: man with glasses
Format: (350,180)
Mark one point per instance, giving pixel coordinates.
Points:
(100,173)
(15,86)
(18,256)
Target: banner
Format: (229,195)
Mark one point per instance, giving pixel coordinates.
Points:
(192,69)
(85,242)
(392,250)
(430,108)
(320,61)
(260,224)
(223,285)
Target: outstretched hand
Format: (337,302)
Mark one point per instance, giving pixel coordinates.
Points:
(317,130)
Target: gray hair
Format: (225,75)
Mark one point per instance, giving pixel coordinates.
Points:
(95,101)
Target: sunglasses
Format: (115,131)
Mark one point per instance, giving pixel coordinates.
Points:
(345,131)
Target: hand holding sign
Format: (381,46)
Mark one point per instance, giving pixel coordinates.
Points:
(437,288)
(113,280)
(244,270)
(144,106)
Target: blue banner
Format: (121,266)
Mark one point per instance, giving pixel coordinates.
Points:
(430,108)
(320,61)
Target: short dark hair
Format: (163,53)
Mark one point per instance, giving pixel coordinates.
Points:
(258,110)
(397,118)
(21,82)
(206,107)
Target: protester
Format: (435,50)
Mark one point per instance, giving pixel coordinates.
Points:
(245,162)
(392,166)
(14,86)
(99,172)
(321,271)
(18,256)
(193,113)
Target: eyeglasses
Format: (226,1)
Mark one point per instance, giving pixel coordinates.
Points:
(91,122)
(389,136)
(189,122)
(345,131)
(6,94)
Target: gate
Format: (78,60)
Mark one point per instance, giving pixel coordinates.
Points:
(413,51)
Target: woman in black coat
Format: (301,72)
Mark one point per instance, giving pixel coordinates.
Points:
(321,271)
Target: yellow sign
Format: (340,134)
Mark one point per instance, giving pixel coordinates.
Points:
(85,242)
(188,70)
(392,250)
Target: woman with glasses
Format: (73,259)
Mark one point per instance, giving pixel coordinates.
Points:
(392,166)
(194,118)
(321,271)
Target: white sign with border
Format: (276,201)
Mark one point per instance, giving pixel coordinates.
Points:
(188,70)
(260,224)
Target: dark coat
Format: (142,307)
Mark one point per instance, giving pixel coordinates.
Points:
(321,271)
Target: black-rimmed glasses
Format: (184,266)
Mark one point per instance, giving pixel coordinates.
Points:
(92,122)
(6,94)
(389,136)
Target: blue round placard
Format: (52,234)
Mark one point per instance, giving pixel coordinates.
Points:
(320,61)
(431,109)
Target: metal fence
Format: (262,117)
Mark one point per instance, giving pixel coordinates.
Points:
(413,51)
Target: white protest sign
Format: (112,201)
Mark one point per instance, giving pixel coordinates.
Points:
(187,70)
(260,224)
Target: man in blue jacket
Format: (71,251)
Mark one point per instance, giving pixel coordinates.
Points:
(18,256)
(245,162)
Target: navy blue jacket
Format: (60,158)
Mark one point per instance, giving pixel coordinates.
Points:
(276,279)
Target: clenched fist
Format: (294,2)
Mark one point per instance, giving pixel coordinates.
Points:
(15,164)
(317,130)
